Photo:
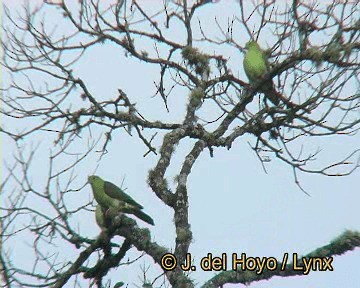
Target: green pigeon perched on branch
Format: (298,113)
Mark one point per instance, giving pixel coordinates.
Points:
(256,66)
(112,198)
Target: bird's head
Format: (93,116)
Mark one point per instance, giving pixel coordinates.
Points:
(92,179)
(251,45)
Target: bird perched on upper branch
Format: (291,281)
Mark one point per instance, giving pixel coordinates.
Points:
(109,196)
(256,66)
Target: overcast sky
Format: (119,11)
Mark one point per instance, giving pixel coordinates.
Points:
(234,205)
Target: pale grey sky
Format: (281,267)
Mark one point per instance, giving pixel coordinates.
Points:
(234,205)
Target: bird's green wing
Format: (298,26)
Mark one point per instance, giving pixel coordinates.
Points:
(116,193)
(265,59)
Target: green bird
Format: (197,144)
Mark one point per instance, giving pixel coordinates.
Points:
(112,198)
(256,66)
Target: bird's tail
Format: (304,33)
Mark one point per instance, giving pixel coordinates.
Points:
(276,98)
(270,92)
(143,216)
(273,96)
